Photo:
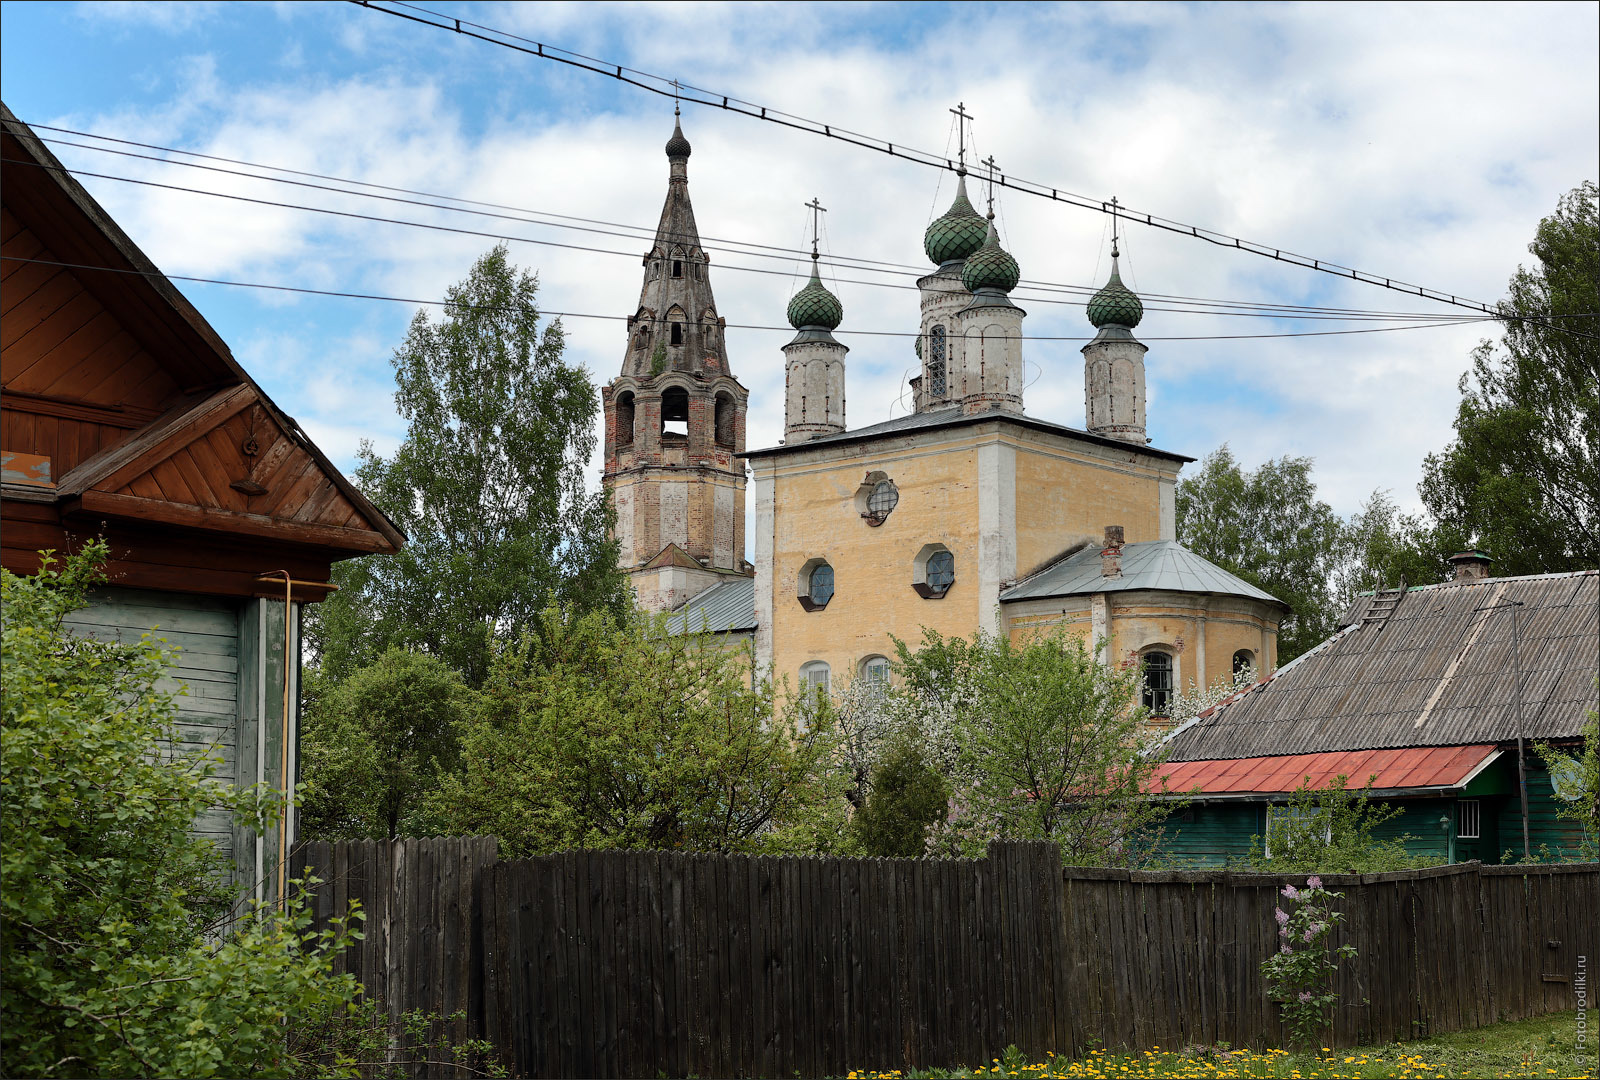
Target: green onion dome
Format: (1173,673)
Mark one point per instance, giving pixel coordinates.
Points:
(958,233)
(1115,305)
(677,146)
(814,305)
(991,266)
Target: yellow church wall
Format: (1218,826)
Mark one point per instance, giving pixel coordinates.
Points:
(1069,495)
(816,517)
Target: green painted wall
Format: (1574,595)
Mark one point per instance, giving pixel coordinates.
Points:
(1209,834)
(228,683)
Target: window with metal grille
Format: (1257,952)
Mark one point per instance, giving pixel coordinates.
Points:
(941,571)
(1157,682)
(936,376)
(883,499)
(1468,819)
(820,588)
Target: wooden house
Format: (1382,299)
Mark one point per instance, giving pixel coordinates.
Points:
(124,415)
(1440,695)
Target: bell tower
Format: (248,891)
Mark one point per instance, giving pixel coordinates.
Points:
(675,419)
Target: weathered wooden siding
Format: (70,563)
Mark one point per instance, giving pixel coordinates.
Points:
(1210,834)
(204,677)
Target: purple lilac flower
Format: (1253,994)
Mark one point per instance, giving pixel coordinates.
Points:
(1310,934)
(1305,995)
(1291,892)
(1285,950)
(1314,882)
(1281,915)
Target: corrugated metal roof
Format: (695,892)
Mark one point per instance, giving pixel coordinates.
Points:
(1437,672)
(954,417)
(1390,770)
(726,606)
(1152,564)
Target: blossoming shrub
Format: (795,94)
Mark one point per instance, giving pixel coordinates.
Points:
(1300,974)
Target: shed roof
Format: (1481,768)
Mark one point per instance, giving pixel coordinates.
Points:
(1432,767)
(726,606)
(1152,564)
(1441,669)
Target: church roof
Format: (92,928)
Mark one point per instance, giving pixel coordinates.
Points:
(726,606)
(954,417)
(1152,564)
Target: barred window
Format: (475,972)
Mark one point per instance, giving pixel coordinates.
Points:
(883,499)
(1468,819)
(941,571)
(936,375)
(1157,682)
(820,587)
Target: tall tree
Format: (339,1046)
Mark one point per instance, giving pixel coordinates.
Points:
(1523,475)
(1268,527)
(488,487)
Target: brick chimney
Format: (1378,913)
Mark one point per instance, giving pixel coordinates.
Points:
(1111,554)
(1472,565)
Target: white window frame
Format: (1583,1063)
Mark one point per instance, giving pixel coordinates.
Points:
(1266,839)
(875,670)
(1469,812)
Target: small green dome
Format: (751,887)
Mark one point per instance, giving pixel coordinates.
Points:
(991,266)
(1115,305)
(814,305)
(677,146)
(958,233)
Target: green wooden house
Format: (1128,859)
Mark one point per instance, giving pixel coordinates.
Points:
(1439,695)
(124,415)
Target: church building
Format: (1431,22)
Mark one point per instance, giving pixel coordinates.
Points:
(966,513)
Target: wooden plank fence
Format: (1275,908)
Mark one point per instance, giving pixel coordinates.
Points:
(652,963)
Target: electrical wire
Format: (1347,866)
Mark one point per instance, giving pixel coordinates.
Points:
(687,92)
(646,233)
(1420,319)
(1462,321)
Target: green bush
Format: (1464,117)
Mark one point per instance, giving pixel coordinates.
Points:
(126,953)
(907,798)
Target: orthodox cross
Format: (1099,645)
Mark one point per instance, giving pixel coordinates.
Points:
(817,209)
(675,89)
(963,117)
(993,171)
(1113,226)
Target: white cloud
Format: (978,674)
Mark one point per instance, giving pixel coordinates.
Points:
(1423,144)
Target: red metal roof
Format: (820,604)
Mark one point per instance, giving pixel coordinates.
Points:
(1418,767)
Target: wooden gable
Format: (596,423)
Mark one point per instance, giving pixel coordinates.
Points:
(125,415)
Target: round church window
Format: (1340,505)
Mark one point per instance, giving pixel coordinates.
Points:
(883,499)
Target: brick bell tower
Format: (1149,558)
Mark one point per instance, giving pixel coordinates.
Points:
(675,419)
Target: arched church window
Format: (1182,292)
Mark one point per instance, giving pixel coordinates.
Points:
(724,420)
(1158,682)
(875,670)
(936,362)
(1242,660)
(677,333)
(677,268)
(624,418)
(675,412)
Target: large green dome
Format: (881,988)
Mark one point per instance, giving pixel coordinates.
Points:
(1115,305)
(814,305)
(958,233)
(991,266)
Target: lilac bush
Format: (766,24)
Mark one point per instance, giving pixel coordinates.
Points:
(1300,974)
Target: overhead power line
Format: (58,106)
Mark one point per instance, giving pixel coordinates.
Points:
(688,92)
(1415,320)
(771,251)
(350,295)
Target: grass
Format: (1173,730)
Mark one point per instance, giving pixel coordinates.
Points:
(1542,1047)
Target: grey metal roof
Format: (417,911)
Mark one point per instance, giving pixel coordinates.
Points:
(954,417)
(1437,671)
(726,606)
(1152,564)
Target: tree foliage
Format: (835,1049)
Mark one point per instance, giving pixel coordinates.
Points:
(488,486)
(125,954)
(376,744)
(1038,741)
(1267,526)
(599,732)
(1329,830)
(907,798)
(1523,474)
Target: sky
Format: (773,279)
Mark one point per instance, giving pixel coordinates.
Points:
(1418,142)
